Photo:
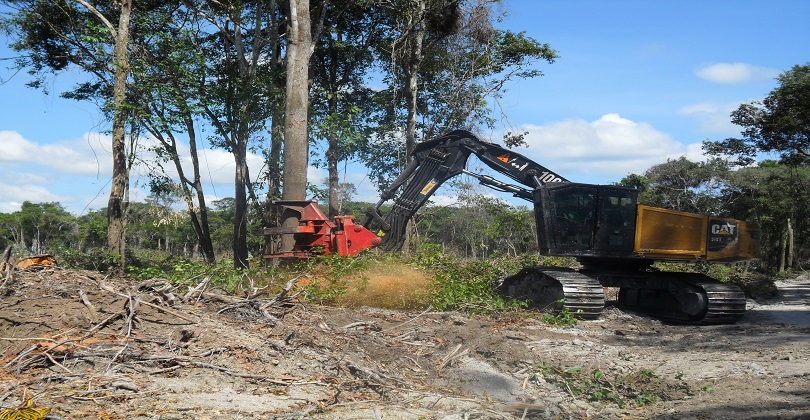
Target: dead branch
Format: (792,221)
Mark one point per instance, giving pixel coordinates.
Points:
(366,325)
(453,355)
(21,355)
(132,308)
(288,286)
(197,290)
(181,360)
(159,308)
(57,363)
(365,374)
(161,287)
(86,301)
(89,305)
(410,320)
(129,386)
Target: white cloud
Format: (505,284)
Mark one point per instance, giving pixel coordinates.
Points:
(734,73)
(607,148)
(694,152)
(84,156)
(88,156)
(713,117)
(15,147)
(12,196)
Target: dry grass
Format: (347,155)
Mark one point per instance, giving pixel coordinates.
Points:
(388,284)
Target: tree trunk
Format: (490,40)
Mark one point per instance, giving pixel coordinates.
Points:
(116,204)
(241,184)
(789,244)
(272,212)
(332,155)
(201,225)
(334,176)
(782,252)
(296,144)
(414,62)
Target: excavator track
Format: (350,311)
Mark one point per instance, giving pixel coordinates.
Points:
(726,302)
(557,289)
(685,297)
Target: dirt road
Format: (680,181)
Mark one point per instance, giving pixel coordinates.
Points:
(89,348)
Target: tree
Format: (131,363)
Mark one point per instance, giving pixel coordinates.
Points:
(235,98)
(773,196)
(296,140)
(116,205)
(684,185)
(449,65)
(170,72)
(41,227)
(779,124)
(57,34)
(342,57)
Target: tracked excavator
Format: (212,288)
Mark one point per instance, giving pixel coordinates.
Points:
(615,239)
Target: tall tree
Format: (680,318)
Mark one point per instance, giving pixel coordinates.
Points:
(774,196)
(342,57)
(170,71)
(448,65)
(57,34)
(116,205)
(235,99)
(779,124)
(296,138)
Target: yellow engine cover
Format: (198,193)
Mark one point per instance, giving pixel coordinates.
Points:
(670,234)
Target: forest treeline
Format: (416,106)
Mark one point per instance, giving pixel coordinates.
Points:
(771,195)
(323,82)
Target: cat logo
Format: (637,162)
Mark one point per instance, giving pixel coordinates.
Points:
(504,158)
(724,229)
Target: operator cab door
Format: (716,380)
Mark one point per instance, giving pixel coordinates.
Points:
(573,208)
(616,227)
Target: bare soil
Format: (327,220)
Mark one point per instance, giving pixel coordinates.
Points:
(88,347)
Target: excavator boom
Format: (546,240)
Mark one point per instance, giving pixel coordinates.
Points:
(436,161)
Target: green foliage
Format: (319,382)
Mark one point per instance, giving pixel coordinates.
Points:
(680,184)
(637,389)
(479,226)
(95,259)
(563,318)
(146,264)
(466,285)
(39,228)
(770,195)
(331,276)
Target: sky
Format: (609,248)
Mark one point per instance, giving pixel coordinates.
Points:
(637,83)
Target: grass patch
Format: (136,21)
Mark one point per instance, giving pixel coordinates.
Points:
(635,389)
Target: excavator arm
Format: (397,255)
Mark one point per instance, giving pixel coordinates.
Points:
(436,161)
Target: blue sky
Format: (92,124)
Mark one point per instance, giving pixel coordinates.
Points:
(637,83)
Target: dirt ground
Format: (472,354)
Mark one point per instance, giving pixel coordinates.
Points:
(88,347)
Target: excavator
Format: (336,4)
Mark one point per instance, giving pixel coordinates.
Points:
(615,239)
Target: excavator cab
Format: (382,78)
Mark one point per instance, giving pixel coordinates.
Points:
(584,220)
